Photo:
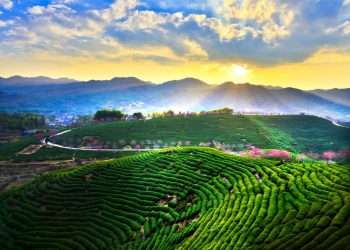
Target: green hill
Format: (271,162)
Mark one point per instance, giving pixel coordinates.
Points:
(299,134)
(181,198)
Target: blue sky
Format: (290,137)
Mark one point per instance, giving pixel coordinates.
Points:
(171,35)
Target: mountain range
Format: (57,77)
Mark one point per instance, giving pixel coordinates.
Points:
(43,94)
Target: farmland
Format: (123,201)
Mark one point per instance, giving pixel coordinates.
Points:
(181,198)
(298,134)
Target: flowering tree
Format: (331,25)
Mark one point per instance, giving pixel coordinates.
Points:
(106,147)
(249,146)
(71,126)
(313,156)
(39,136)
(122,142)
(64,144)
(234,147)
(137,146)
(142,143)
(202,144)
(78,140)
(301,157)
(102,120)
(329,155)
(99,147)
(159,141)
(279,154)
(187,143)
(53,133)
(345,153)
(179,143)
(133,142)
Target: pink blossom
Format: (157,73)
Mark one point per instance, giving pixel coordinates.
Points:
(202,144)
(106,147)
(257,151)
(99,147)
(279,154)
(102,120)
(53,134)
(249,146)
(187,143)
(133,142)
(329,155)
(39,136)
(137,146)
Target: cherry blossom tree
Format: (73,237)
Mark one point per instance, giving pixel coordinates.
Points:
(345,153)
(313,156)
(99,147)
(133,142)
(329,155)
(122,142)
(39,136)
(202,144)
(187,143)
(102,120)
(106,147)
(137,146)
(79,140)
(53,134)
(301,157)
(234,147)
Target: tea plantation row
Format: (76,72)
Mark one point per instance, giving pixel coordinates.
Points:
(298,134)
(181,198)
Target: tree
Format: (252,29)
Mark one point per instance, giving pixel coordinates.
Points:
(345,153)
(137,115)
(108,114)
(328,156)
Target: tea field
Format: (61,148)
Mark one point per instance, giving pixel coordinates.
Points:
(181,198)
(297,134)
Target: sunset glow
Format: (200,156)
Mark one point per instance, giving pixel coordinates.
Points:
(256,41)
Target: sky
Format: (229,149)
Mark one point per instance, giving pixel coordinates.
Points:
(301,43)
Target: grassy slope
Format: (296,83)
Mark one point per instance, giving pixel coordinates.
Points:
(294,133)
(220,205)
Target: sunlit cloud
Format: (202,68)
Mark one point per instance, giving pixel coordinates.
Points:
(240,70)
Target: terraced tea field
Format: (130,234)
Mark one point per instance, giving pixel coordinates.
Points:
(181,198)
(298,134)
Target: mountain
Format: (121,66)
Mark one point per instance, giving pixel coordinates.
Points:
(32,81)
(132,94)
(341,96)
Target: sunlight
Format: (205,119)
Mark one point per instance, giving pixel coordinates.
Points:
(240,70)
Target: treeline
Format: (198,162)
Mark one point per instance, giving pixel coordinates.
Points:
(108,114)
(20,121)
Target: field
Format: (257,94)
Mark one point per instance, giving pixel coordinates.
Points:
(181,198)
(297,134)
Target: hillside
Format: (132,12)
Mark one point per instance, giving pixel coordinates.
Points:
(131,94)
(183,198)
(299,134)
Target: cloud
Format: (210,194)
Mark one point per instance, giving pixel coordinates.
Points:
(343,28)
(38,10)
(346,2)
(252,32)
(6,4)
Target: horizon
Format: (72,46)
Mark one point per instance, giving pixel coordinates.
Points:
(215,41)
(169,80)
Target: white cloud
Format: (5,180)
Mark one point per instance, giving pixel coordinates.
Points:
(39,10)
(5,23)
(346,2)
(345,28)
(7,4)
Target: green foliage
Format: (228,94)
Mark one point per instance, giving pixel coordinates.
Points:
(108,114)
(20,121)
(137,202)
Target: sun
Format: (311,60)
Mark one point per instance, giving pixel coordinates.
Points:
(240,70)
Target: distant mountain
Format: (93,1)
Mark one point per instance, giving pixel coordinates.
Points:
(132,94)
(271,87)
(341,96)
(32,81)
